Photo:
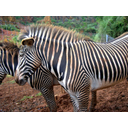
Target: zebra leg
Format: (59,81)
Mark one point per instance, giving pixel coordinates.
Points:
(48,94)
(93,101)
(75,103)
(83,99)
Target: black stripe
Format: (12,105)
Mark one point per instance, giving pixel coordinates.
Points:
(114,69)
(84,52)
(89,59)
(109,67)
(5,61)
(121,63)
(77,58)
(99,62)
(93,58)
(10,63)
(115,73)
(69,59)
(63,61)
(73,60)
(47,42)
(105,60)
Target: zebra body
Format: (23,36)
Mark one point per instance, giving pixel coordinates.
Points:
(40,80)
(79,65)
(116,67)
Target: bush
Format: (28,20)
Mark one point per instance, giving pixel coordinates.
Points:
(9,27)
(114,26)
(92,30)
(15,40)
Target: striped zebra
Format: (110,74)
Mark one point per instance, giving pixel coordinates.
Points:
(40,80)
(79,65)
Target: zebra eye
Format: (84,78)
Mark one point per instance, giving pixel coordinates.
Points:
(21,55)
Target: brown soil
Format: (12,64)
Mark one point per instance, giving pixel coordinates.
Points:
(11,95)
(112,99)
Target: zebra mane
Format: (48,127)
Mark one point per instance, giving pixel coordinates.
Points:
(10,46)
(30,31)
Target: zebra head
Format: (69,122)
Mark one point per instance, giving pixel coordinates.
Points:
(28,61)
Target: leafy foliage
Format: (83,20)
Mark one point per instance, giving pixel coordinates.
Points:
(9,27)
(15,40)
(96,27)
(81,26)
(26,20)
(111,25)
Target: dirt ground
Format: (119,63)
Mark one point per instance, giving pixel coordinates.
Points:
(12,98)
(15,98)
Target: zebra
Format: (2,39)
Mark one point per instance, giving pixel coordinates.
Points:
(80,66)
(40,80)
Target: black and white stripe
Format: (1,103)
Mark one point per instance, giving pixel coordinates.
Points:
(79,64)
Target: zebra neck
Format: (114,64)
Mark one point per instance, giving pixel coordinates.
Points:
(54,56)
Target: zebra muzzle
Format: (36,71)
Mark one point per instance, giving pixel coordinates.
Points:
(21,81)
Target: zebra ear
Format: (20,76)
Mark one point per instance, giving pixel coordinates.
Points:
(28,41)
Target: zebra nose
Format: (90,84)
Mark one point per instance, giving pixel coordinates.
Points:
(17,81)
(22,82)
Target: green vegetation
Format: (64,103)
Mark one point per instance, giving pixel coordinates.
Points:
(9,76)
(26,20)
(26,97)
(36,18)
(11,82)
(83,25)
(78,25)
(9,27)
(96,27)
(30,97)
(15,40)
(111,25)
(39,94)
